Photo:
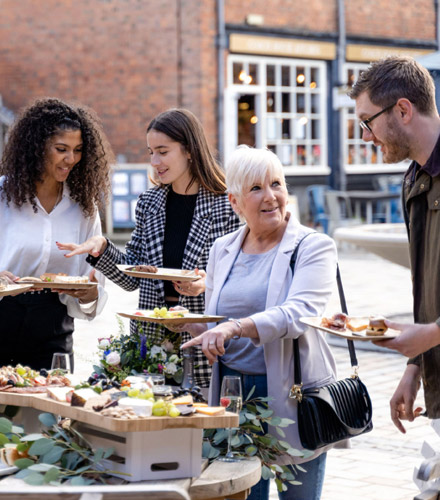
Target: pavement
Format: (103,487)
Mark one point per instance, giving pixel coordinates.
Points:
(379,464)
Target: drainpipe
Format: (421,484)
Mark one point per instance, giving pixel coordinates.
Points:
(340,82)
(221,46)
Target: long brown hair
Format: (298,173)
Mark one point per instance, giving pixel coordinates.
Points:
(183,127)
(23,162)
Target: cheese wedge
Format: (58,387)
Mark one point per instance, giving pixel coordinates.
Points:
(59,393)
(80,396)
(183,400)
(357,324)
(211,410)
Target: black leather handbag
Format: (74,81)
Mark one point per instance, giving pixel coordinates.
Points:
(336,411)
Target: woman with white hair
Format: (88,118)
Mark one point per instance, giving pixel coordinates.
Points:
(250,281)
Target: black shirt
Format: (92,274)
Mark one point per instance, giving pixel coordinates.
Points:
(179,215)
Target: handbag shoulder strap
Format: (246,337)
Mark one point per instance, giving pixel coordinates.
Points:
(350,343)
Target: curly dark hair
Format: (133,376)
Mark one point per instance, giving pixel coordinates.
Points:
(23,165)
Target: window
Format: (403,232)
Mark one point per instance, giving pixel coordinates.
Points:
(279,104)
(356,151)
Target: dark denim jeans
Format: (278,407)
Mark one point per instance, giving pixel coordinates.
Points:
(312,480)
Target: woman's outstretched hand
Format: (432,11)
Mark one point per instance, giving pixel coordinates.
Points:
(95,246)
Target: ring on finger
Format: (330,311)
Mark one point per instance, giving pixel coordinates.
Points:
(212,342)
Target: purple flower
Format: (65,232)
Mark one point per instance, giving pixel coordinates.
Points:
(143,346)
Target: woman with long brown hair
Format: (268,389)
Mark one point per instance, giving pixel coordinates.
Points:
(54,177)
(177,222)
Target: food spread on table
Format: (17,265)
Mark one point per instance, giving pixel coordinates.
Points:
(135,397)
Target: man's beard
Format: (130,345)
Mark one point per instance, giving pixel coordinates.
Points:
(396,144)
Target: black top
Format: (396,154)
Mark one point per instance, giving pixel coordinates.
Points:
(179,215)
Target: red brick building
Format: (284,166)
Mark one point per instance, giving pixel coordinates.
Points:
(265,72)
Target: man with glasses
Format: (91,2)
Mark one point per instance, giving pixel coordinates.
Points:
(395,101)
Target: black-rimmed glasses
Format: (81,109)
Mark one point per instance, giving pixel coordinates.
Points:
(365,124)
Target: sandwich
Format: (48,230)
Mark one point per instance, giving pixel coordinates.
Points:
(376,326)
(29,279)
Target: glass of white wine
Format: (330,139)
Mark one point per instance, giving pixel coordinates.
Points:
(231,398)
(61,361)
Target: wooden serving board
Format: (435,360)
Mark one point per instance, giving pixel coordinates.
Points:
(188,318)
(163,273)
(60,286)
(43,403)
(315,322)
(15,289)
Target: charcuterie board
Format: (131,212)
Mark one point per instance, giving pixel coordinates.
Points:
(315,322)
(187,318)
(59,286)
(163,273)
(43,403)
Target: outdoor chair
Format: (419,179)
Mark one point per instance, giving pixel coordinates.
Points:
(340,210)
(317,206)
(393,184)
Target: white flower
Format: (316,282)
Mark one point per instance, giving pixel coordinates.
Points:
(170,368)
(173,358)
(168,346)
(113,358)
(158,352)
(104,344)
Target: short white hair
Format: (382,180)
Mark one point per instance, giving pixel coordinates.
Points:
(248,166)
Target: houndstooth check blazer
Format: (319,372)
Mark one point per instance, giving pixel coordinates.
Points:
(213,217)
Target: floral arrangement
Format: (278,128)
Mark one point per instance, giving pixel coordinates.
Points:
(125,355)
(251,439)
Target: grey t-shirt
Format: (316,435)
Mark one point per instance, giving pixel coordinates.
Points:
(244,293)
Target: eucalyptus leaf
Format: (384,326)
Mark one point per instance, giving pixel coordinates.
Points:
(21,474)
(266,473)
(293,452)
(99,453)
(249,415)
(22,447)
(78,481)
(235,441)
(281,432)
(15,439)
(251,450)
(47,419)
(3,439)
(53,455)
(41,446)
(300,468)
(5,425)
(285,422)
(17,429)
(23,463)
(35,479)
(295,483)
(284,444)
(51,475)
(83,468)
(208,451)
(108,452)
(32,437)
(250,393)
(266,413)
(275,421)
(220,436)
(277,468)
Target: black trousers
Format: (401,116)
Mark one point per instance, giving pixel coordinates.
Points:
(33,326)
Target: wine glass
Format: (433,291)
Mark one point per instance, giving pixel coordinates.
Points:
(231,399)
(61,361)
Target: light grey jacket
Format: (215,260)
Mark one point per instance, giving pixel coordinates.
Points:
(287,300)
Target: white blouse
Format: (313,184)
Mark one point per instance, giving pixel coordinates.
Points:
(28,248)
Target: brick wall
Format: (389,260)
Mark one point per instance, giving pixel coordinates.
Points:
(118,56)
(122,57)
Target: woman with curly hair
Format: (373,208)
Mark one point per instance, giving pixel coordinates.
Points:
(54,177)
(177,222)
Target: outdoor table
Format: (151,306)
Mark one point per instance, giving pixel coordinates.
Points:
(158,451)
(369,198)
(220,480)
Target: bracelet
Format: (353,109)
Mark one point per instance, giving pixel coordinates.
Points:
(238,323)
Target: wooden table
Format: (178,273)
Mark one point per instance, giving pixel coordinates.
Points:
(220,480)
(369,198)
